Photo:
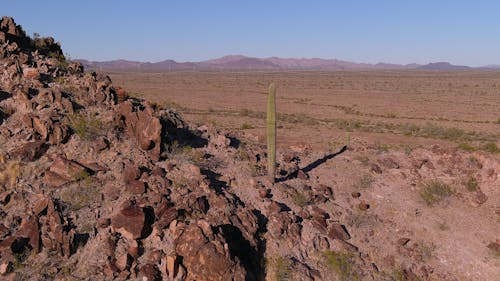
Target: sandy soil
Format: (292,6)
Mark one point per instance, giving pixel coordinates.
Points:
(378,107)
(408,124)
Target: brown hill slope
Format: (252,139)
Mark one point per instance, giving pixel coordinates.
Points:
(96,185)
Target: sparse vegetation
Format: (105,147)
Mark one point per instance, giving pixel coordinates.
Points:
(491,147)
(365,181)
(86,127)
(299,198)
(425,250)
(78,196)
(466,146)
(342,264)
(246,126)
(435,191)
(404,275)
(83,177)
(10,170)
(471,184)
(280,269)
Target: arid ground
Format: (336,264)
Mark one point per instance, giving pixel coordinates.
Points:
(423,156)
(381,176)
(385,108)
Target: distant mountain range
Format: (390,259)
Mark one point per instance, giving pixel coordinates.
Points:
(239,62)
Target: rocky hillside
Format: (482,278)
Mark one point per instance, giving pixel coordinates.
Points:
(96,185)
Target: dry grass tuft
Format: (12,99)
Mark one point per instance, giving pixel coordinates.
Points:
(10,170)
(435,191)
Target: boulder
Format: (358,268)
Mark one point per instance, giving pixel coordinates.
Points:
(31,73)
(142,126)
(205,259)
(29,229)
(165,215)
(130,221)
(338,231)
(63,171)
(149,272)
(29,151)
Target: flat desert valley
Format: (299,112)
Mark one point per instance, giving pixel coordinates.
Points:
(387,108)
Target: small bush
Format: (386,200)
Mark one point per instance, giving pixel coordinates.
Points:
(435,191)
(247,126)
(491,147)
(10,170)
(365,181)
(78,196)
(467,147)
(404,275)
(342,264)
(281,269)
(86,127)
(299,198)
(471,184)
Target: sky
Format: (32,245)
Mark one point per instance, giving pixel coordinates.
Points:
(370,31)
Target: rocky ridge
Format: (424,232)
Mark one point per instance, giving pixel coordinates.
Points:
(96,185)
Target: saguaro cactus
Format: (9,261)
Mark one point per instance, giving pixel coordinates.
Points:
(271,132)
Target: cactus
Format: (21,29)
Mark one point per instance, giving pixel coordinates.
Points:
(271,132)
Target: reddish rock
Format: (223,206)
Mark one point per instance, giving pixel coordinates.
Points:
(101,144)
(63,171)
(375,168)
(274,207)
(477,198)
(41,128)
(29,151)
(133,249)
(149,272)
(201,205)
(55,233)
(111,191)
(142,126)
(103,222)
(264,192)
(363,206)
(59,134)
(338,231)
(342,246)
(92,166)
(121,95)
(53,179)
(4,231)
(356,194)
(135,187)
(29,229)
(31,73)
(165,216)
(494,246)
(204,259)
(403,241)
(158,172)
(131,172)
(323,190)
(129,222)
(302,175)
(320,224)
(66,168)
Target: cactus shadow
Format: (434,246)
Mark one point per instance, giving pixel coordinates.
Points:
(312,165)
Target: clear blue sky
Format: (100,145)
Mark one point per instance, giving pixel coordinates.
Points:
(398,31)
